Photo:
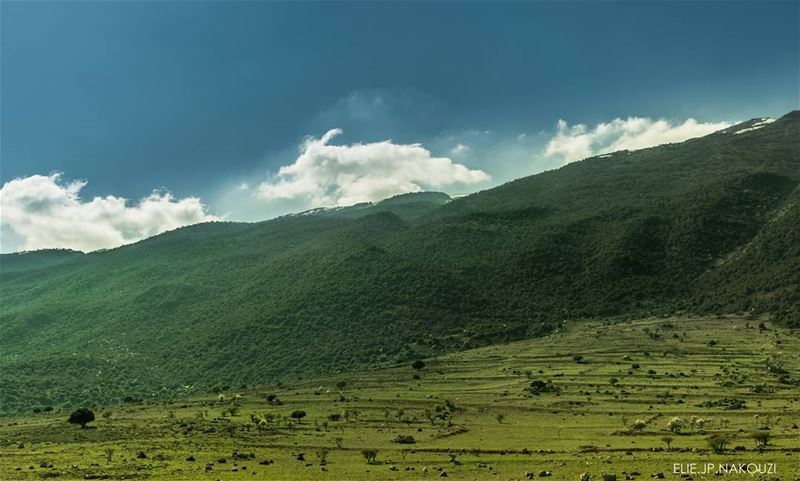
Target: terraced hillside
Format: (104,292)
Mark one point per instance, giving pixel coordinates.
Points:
(625,398)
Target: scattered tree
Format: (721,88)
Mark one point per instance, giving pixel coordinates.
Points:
(675,425)
(761,437)
(82,416)
(718,443)
(404,439)
(322,454)
(298,415)
(418,364)
(370,455)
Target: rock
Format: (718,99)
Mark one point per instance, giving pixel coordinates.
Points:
(141,455)
(443,474)
(585,477)
(543,474)
(658,476)
(609,477)
(190,458)
(528,474)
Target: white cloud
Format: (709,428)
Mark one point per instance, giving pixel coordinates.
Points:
(578,141)
(460,149)
(326,175)
(45,212)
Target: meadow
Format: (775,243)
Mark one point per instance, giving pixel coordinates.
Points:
(603,399)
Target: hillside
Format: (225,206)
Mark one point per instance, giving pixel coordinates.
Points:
(606,407)
(26,261)
(707,225)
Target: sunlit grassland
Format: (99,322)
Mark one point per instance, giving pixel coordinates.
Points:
(610,375)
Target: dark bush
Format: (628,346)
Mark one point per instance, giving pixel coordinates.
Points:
(82,416)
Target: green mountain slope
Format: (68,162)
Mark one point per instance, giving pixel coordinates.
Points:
(409,207)
(25,261)
(705,225)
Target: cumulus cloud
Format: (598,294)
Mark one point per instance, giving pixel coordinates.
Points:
(579,141)
(326,175)
(47,212)
(460,149)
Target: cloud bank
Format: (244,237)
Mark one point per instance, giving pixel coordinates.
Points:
(577,142)
(336,175)
(46,212)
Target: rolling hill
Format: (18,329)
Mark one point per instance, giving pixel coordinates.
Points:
(708,225)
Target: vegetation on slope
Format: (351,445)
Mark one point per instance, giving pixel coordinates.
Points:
(707,225)
(625,399)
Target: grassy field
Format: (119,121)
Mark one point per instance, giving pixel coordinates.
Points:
(609,392)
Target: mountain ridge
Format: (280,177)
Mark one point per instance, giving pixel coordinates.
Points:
(693,226)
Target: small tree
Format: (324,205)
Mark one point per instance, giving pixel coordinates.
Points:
(639,425)
(500,418)
(675,425)
(298,415)
(418,364)
(762,438)
(82,416)
(370,455)
(322,454)
(718,443)
(668,441)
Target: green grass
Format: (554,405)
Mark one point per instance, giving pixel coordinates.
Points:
(584,428)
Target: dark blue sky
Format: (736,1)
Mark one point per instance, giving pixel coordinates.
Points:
(196,96)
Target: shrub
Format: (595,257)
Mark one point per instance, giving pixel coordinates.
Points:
(404,439)
(322,454)
(675,425)
(761,437)
(82,416)
(370,455)
(418,365)
(539,387)
(718,443)
(298,415)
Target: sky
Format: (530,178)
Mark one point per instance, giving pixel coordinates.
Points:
(120,120)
